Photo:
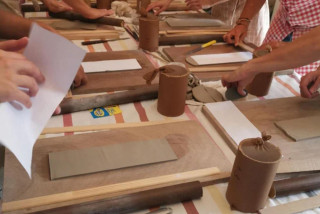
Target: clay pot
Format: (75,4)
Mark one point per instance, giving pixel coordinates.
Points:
(260,85)
(172,90)
(149,33)
(104,4)
(252,174)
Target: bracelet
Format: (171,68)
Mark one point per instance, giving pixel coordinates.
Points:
(243,21)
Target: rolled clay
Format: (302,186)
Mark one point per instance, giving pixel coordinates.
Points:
(260,85)
(142,4)
(137,201)
(252,174)
(104,4)
(149,33)
(172,90)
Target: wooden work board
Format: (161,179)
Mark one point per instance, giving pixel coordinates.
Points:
(188,139)
(178,54)
(297,156)
(189,35)
(102,31)
(116,80)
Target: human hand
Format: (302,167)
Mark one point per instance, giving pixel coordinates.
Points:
(93,13)
(56,6)
(309,84)
(271,45)
(81,78)
(240,78)
(194,4)
(14,45)
(17,72)
(236,35)
(158,6)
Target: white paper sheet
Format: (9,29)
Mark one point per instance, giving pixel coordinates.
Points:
(111,65)
(233,121)
(59,60)
(211,59)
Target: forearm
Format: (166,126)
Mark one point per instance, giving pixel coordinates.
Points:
(251,8)
(78,6)
(13,26)
(302,51)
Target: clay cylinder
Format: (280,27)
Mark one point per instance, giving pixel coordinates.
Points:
(104,4)
(260,85)
(172,90)
(149,33)
(252,174)
(142,4)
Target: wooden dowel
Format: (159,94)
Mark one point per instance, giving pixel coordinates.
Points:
(198,30)
(107,189)
(212,69)
(246,47)
(57,130)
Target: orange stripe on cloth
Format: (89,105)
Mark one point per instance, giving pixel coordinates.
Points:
(141,111)
(67,121)
(107,46)
(190,115)
(294,92)
(90,47)
(219,200)
(189,207)
(119,118)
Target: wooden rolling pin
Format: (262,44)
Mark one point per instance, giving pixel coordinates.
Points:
(69,105)
(137,201)
(74,16)
(297,184)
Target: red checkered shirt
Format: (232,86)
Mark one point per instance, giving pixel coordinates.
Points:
(297,17)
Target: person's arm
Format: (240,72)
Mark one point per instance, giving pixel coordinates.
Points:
(56,6)
(200,4)
(159,6)
(79,6)
(302,51)
(238,33)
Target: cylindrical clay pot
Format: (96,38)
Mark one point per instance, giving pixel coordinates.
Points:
(260,85)
(104,4)
(172,90)
(252,174)
(149,33)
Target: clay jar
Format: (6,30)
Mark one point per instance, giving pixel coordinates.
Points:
(172,90)
(260,85)
(149,33)
(252,174)
(104,4)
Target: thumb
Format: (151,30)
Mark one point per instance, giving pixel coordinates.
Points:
(14,45)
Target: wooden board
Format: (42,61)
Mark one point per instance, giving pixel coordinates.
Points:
(120,80)
(297,156)
(193,146)
(102,31)
(178,54)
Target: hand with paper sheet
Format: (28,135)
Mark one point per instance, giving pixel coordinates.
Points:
(17,72)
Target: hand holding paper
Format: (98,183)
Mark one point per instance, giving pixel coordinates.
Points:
(58,60)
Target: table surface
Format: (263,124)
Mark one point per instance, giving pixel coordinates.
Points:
(213,200)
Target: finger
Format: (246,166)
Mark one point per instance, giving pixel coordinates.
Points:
(57,110)
(229,38)
(25,67)
(159,11)
(21,97)
(11,55)
(315,86)
(304,84)
(14,45)
(27,82)
(108,12)
(241,91)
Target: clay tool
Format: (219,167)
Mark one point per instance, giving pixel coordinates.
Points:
(69,105)
(201,47)
(101,41)
(131,33)
(139,201)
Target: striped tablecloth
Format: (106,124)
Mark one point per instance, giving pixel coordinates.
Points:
(213,200)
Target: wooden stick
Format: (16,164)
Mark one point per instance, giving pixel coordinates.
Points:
(294,207)
(246,47)
(89,35)
(212,69)
(198,30)
(194,34)
(107,189)
(57,130)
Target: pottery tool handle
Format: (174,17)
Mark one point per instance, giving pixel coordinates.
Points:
(138,201)
(69,105)
(297,184)
(74,16)
(208,44)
